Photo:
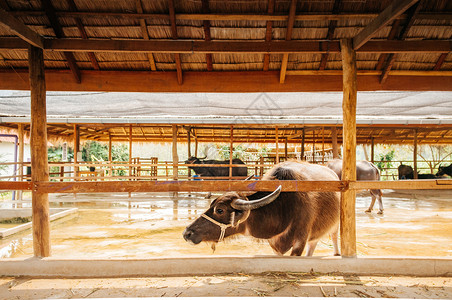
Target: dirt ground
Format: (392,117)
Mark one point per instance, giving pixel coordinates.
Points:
(230,285)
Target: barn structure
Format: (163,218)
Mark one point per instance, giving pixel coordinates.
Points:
(190,48)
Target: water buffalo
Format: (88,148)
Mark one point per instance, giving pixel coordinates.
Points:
(217,171)
(444,171)
(407,172)
(364,171)
(286,219)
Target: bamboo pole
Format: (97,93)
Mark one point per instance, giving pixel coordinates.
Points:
(347,215)
(39,160)
(285,149)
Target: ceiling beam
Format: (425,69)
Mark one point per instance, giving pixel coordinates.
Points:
(144,31)
(392,35)
(396,8)
(219,82)
(207,36)
(84,35)
(330,34)
(412,13)
(440,61)
(20,29)
(268,33)
(290,22)
(58,30)
(177,59)
(189,47)
(228,17)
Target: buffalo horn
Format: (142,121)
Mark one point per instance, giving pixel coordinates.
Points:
(249,177)
(241,204)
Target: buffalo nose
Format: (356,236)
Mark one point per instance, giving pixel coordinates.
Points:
(187,234)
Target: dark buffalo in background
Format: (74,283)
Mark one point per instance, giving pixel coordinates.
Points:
(364,171)
(444,171)
(217,171)
(288,220)
(407,172)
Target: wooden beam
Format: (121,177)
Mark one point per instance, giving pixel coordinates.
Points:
(219,82)
(177,58)
(395,9)
(334,143)
(207,37)
(392,35)
(144,31)
(440,61)
(290,22)
(412,12)
(189,47)
(348,220)
(20,29)
(330,34)
(39,163)
(55,24)
(268,33)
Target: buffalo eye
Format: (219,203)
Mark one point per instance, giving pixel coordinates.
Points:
(219,211)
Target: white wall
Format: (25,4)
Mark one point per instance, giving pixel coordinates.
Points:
(7,155)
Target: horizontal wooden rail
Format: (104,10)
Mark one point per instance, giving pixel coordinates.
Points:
(187,186)
(423,184)
(15,185)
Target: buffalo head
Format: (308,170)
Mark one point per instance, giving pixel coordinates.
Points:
(224,216)
(192,160)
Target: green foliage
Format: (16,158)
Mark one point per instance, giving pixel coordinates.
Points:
(242,152)
(94,151)
(385,160)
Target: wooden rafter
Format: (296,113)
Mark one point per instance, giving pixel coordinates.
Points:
(440,61)
(268,33)
(330,34)
(145,33)
(20,29)
(55,24)
(395,9)
(290,22)
(392,35)
(81,29)
(172,14)
(207,36)
(412,12)
(189,47)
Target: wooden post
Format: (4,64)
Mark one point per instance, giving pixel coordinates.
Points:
(110,157)
(277,144)
(302,145)
(39,160)
(415,155)
(231,150)
(334,142)
(130,150)
(313,146)
(189,148)
(175,156)
(323,144)
(372,149)
(76,150)
(285,149)
(348,223)
(21,158)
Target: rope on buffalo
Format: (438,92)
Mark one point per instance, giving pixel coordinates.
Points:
(222,226)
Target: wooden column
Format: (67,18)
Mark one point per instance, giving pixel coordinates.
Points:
(231,150)
(20,130)
(76,147)
(189,148)
(313,146)
(130,150)
(110,157)
(415,155)
(277,144)
(285,149)
(372,149)
(348,224)
(302,145)
(175,156)
(334,142)
(323,145)
(39,162)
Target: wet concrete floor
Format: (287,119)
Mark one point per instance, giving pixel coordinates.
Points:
(151,225)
